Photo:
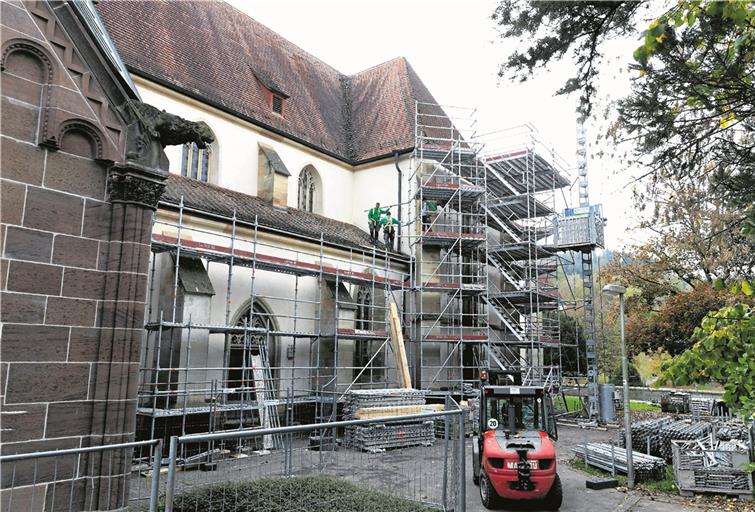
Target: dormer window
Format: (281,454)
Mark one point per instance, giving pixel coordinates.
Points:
(278,104)
(271,91)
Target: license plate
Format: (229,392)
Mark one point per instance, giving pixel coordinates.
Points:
(515,464)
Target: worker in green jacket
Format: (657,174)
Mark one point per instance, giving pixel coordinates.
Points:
(389,229)
(373,219)
(429,213)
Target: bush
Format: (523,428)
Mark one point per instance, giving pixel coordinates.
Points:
(279,494)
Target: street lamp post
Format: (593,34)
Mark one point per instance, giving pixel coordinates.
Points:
(616,289)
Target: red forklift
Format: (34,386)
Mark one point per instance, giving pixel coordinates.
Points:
(514,455)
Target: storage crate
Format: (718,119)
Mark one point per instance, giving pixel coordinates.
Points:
(711,466)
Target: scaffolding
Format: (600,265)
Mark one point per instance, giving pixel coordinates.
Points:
(248,323)
(580,231)
(447,243)
(523,296)
(245,321)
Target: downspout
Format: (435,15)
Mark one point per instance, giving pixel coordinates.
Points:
(400,180)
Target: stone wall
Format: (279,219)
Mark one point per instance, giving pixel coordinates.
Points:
(75,233)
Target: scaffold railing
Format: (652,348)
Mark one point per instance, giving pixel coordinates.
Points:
(448,242)
(523,175)
(240,315)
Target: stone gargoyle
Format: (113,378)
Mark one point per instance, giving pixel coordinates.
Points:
(151,129)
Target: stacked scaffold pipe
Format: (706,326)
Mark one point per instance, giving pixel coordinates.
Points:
(700,406)
(659,433)
(387,402)
(607,458)
(644,434)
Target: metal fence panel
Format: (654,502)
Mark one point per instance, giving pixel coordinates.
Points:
(95,478)
(233,472)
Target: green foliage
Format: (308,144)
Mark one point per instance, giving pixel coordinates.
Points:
(695,230)
(634,376)
(313,493)
(690,111)
(671,327)
(649,365)
(691,106)
(551,31)
(724,352)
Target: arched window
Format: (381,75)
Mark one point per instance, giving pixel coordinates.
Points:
(200,163)
(195,162)
(307,189)
(364,309)
(250,350)
(368,366)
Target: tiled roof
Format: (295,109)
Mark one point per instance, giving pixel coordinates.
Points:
(212,199)
(220,55)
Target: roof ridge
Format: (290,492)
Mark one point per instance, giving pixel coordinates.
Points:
(384,63)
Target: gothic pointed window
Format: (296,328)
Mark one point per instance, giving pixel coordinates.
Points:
(249,351)
(307,190)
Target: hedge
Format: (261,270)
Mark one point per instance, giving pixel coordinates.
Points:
(280,494)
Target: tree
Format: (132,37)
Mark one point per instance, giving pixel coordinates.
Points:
(696,232)
(671,327)
(648,281)
(552,30)
(724,352)
(691,106)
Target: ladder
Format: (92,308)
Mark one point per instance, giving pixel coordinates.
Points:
(265,395)
(589,329)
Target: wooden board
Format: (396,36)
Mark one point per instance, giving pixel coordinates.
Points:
(399,410)
(399,350)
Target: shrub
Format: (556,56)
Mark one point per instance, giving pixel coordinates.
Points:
(279,494)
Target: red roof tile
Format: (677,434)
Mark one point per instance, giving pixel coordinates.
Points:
(213,199)
(220,55)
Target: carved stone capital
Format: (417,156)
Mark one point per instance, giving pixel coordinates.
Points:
(135,184)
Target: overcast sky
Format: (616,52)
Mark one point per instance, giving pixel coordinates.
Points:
(452,45)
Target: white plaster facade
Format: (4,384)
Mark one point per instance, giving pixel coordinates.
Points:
(346,190)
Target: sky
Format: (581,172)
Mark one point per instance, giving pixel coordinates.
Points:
(454,47)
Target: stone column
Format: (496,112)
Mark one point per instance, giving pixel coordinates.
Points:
(133,192)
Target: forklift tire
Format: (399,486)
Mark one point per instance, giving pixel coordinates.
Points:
(488,496)
(555,496)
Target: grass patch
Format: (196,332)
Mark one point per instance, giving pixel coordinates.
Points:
(573,403)
(665,486)
(643,406)
(311,493)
